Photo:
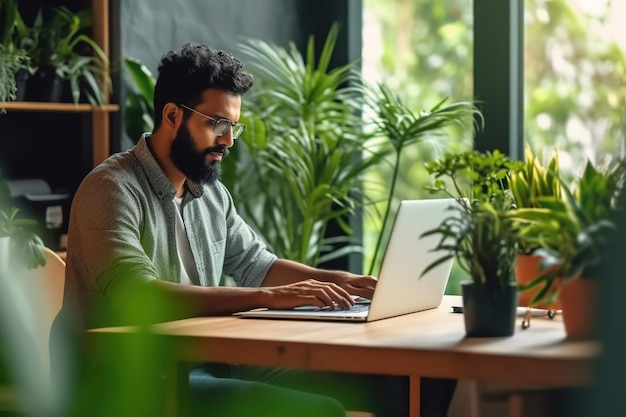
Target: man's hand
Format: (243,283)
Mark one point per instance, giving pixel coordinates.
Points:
(309,292)
(361,285)
(292,284)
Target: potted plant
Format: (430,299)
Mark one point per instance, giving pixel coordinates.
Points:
(19,243)
(483,239)
(12,57)
(575,231)
(139,113)
(66,54)
(528,185)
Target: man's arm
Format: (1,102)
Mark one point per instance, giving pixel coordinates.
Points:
(287,285)
(285,272)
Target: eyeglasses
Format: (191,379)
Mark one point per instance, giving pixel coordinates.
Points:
(220,126)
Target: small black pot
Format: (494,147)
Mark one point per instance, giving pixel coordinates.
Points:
(21,81)
(45,85)
(489,311)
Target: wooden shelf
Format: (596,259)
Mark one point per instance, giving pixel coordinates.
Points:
(56,107)
(100,114)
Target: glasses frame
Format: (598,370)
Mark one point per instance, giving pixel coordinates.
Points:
(215,121)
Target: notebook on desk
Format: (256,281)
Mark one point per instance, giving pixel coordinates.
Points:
(400,289)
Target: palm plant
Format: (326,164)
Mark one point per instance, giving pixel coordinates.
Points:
(311,172)
(402,128)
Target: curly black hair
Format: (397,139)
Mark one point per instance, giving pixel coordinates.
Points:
(184,75)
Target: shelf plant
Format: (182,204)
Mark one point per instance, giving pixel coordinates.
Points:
(480,236)
(67,52)
(22,244)
(12,57)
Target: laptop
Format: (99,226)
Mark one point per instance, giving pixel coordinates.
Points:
(401,288)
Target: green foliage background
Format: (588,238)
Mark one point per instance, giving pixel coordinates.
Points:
(575,80)
(424,54)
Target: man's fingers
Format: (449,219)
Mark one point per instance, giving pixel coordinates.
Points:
(331,295)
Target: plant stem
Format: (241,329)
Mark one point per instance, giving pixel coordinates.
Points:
(394,177)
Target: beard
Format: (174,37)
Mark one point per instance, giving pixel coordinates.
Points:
(191,162)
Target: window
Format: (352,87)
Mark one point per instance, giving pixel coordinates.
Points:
(575,79)
(422,50)
(555,71)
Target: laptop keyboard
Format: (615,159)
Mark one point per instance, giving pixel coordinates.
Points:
(357,308)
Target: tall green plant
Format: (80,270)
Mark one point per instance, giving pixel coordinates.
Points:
(305,149)
(139,114)
(403,127)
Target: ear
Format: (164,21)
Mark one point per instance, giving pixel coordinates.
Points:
(172,115)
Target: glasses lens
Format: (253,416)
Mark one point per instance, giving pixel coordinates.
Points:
(238,130)
(221,127)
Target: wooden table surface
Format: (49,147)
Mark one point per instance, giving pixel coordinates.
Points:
(430,343)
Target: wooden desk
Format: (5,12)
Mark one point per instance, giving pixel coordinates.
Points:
(430,343)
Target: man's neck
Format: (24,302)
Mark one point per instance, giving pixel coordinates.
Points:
(160,151)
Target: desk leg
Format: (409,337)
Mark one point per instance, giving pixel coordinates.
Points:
(414,396)
(176,389)
(171,390)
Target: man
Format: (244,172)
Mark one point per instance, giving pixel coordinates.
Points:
(155,223)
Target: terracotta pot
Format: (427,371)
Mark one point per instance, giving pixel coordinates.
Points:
(579,299)
(527,269)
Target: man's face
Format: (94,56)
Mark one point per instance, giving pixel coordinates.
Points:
(196,150)
(193,162)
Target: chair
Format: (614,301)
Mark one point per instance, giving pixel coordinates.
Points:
(30,302)
(511,400)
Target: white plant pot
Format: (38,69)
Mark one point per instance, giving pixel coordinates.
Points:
(4,255)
